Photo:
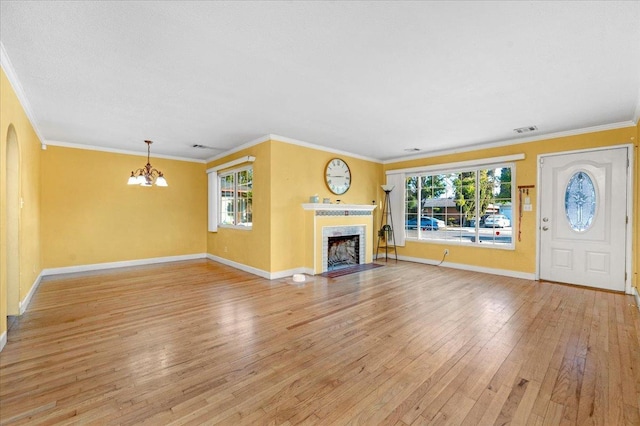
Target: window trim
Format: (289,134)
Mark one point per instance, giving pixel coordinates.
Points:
(452,168)
(443,167)
(213,200)
(235,173)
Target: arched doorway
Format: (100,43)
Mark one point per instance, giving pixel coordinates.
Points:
(13,222)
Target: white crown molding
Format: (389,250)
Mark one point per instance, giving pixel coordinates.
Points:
(460,164)
(119,151)
(322,148)
(291,141)
(245,145)
(10,72)
(497,144)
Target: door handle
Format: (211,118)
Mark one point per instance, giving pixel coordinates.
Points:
(545,228)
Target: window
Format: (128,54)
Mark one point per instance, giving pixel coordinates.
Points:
(580,201)
(235,206)
(469,206)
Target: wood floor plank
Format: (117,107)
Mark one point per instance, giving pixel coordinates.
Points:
(197,342)
(494,409)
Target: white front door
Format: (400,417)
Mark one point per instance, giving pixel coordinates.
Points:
(583,216)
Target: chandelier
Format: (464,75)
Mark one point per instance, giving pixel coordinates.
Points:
(147,175)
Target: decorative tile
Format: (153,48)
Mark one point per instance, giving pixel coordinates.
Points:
(343,213)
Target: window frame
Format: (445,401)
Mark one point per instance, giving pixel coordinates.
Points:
(234,203)
(422,236)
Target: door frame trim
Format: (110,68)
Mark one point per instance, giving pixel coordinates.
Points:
(629,229)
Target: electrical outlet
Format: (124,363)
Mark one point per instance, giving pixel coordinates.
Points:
(446,252)
(225,249)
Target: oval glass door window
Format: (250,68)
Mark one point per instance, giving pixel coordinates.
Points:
(580,202)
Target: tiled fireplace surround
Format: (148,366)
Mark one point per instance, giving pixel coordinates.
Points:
(342,231)
(333,220)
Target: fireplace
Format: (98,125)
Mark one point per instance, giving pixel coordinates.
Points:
(342,246)
(343,251)
(324,221)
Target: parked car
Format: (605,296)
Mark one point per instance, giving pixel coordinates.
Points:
(497,221)
(472,222)
(426,223)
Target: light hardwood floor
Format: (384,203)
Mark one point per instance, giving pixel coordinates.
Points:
(201,343)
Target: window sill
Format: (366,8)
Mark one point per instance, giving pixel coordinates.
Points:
(238,227)
(509,246)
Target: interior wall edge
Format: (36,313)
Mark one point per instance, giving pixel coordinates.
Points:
(241,266)
(24,303)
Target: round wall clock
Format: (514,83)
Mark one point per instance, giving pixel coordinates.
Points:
(337,176)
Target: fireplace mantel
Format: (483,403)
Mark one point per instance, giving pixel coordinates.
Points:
(338,207)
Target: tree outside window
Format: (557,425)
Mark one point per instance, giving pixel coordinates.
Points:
(452,206)
(236,198)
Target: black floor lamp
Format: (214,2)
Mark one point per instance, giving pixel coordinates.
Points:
(386,238)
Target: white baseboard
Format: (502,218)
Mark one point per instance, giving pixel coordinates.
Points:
(260,272)
(309,271)
(3,341)
(290,272)
(240,266)
(122,264)
(473,268)
(24,304)
(636,296)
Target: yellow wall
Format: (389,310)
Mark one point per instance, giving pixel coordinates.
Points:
(249,247)
(298,173)
(90,215)
(12,114)
(523,258)
(285,176)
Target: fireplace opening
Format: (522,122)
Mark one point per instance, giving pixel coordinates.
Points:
(343,251)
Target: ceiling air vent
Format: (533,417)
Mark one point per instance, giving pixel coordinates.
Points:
(201,146)
(412,149)
(527,129)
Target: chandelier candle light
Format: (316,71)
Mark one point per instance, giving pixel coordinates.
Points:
(147,175)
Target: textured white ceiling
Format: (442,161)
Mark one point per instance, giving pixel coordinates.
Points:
(370,78)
